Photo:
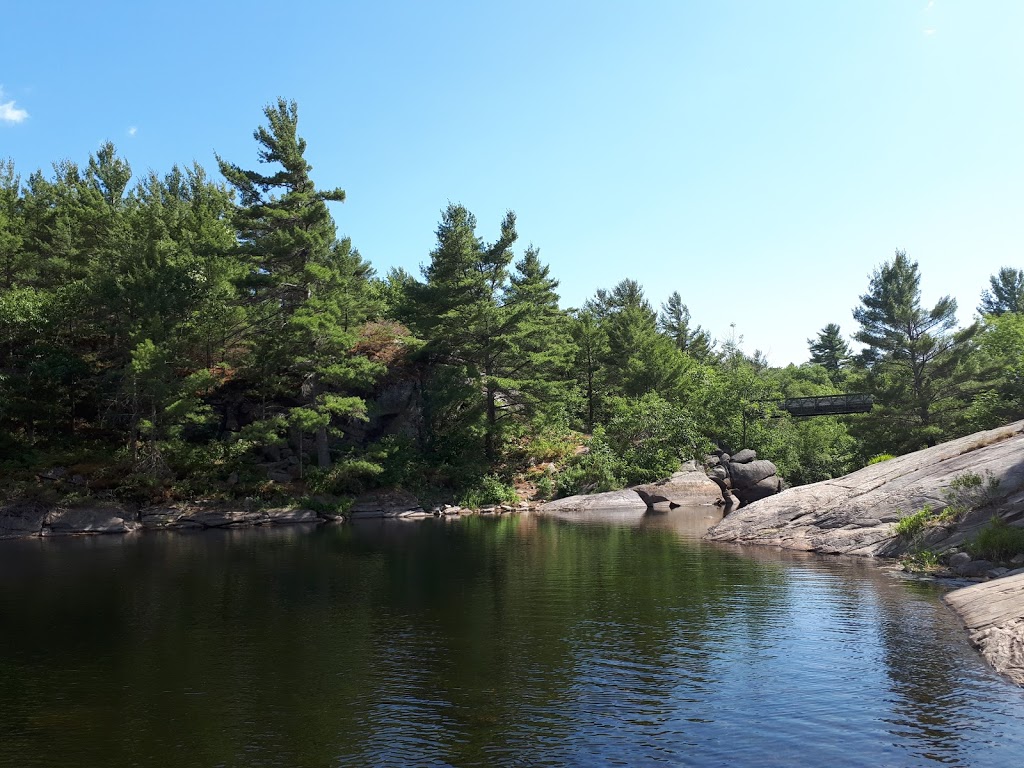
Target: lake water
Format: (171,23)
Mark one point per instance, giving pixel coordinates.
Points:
(510,641)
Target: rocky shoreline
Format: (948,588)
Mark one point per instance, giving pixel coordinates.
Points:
(856,514)
(27,519)
(860,513)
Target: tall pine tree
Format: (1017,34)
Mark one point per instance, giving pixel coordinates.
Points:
(299,285)
(920,369)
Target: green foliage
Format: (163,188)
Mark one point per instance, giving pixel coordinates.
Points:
(349,476)
(489,491)
(1001,352)
(1006,293)
(910,526)
(596,471)
(878,458)
(545,487)
(922,561)
(919,368)
(830,351)
(998,541)
(650,437)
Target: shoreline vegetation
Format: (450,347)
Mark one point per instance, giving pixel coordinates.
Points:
(177,350)
(176,339)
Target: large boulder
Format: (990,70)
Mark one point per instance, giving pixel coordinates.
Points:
(612,500)
(744,475)
(21,519)
(89,520)
(745,456)
(749,474)
(384,503)
(856,514)
(686,488)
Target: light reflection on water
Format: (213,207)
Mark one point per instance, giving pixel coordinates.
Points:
(611,639)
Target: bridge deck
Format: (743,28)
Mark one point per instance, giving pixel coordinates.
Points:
(828,405)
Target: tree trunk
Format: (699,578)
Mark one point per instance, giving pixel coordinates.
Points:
(492,423)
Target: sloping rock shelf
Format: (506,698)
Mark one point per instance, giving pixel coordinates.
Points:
(993,613)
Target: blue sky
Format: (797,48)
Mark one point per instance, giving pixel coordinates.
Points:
(762,158)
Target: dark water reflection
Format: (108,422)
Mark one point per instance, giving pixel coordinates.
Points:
(512,641)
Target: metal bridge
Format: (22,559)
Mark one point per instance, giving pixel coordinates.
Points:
(803,407)
(827,405)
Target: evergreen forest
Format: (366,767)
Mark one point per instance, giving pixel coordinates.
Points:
(210,336)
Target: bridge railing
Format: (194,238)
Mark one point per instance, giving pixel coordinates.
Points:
(828,405)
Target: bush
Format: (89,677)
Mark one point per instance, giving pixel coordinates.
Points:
(924,561)
(545,487)
(596,471)
(651,436)
(997,541)
(879,458)
(489,491)
(347,476)
(910,526)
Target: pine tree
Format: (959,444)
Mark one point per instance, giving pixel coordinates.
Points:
(638,359)
(536,381)
(674,322)
(1006,293)
(922,371)
(299,283)
(830,351)
(591,349)
(460,314)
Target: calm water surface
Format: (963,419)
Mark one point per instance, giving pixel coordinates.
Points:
(511,641)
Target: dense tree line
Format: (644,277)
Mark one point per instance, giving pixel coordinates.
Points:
(187,337)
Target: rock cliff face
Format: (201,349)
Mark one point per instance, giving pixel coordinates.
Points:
(856,514)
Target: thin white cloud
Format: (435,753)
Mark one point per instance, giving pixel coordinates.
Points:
(132,131)
(9,113)
(929,32)
(931,4)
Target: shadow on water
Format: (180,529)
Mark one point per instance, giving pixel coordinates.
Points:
(510,641)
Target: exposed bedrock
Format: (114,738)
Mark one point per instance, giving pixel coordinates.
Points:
(856,514)
(688,487)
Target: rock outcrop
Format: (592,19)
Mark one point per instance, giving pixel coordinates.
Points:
(993,613)
(688,487)
(21,518)
(91,519)
(855,514)
(385,503)
(743,475)
(28,519)
(625,499)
